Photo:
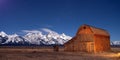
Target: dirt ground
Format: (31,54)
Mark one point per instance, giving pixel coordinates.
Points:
(49,54)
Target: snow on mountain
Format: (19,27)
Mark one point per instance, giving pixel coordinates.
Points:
(51,37)
(56,38)
(12,39)
(3,34)
(35,37)
(115,43)
(3,37)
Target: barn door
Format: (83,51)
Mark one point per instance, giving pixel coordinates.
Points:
(90,47)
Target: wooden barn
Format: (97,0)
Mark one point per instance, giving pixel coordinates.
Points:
(89,39)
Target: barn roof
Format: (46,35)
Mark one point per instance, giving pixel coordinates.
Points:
(98,31)
(95,30)
(70,40)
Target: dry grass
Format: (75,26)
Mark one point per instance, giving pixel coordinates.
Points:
(115,49)
(49,54)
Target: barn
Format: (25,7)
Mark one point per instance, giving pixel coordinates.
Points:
(89,39)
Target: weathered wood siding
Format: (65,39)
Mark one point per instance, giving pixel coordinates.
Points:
(70,45)
(80,46)
(84,47)
(102,43)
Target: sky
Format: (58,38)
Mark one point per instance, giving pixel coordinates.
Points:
(60,15)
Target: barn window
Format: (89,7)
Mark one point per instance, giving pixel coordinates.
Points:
(84,27)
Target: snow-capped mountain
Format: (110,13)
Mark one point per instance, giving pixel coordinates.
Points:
(34,37)
(3,37)
(115,43)
(14,39)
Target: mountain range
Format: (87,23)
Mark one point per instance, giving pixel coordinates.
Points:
(35,37)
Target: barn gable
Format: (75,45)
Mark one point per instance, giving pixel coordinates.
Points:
(84,29)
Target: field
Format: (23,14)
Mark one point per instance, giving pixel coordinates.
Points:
(47,53)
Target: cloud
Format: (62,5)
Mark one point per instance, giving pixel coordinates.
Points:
(48,30)
(31,31)
(42,30)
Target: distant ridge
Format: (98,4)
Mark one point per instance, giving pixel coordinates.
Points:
(34,38)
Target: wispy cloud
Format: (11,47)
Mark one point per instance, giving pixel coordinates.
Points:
(31,31)
(48,30)
(42,30)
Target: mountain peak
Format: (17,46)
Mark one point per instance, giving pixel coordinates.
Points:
(3,34)
(63,34)
(115,43)
(15,34)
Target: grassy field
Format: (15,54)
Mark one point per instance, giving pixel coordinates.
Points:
(49,54)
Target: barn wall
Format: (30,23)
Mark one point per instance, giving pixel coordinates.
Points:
(66,47)
(80,47)
(85,38)
(81,42)
(102,43)
(69,45)
(84,47)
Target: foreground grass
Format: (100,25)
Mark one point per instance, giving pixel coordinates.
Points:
(49,54)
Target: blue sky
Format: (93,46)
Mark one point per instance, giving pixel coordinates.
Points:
(59,15)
